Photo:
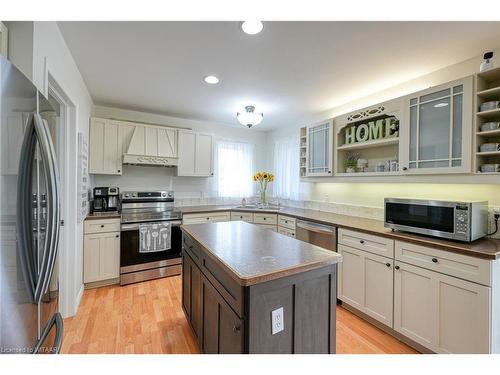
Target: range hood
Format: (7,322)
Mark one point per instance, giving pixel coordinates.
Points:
(152,145)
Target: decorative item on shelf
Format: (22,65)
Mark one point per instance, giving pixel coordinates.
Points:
(263,178)
(488,62)
(393,165)
(381,128)
(488,126)
(488,106)
(380,167)
(490,168)
(351,162)
(362,165)
(489,147)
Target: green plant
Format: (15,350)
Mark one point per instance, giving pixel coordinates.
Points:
(351,160)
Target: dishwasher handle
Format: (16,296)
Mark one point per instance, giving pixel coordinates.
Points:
(318,228)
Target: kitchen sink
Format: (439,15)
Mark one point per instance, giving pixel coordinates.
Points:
(270,207)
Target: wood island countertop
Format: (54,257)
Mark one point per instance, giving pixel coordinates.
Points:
(252,255)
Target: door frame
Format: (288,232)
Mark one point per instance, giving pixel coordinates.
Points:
(67,135)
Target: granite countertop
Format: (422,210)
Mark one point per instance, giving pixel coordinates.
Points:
(103,215)
(253,255)
(487,248)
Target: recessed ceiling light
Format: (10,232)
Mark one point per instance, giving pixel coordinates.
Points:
(252,27)
(211,79)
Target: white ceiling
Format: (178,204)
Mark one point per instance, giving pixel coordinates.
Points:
(290,71)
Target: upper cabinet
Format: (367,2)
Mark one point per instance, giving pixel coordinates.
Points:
(195,154)
(317,150)
(105,147)
(4,39)
(437,132)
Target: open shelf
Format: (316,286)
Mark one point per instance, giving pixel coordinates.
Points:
(490,75)
(369,144)
(493,93)
(489,133)
(491,114)
(488,153)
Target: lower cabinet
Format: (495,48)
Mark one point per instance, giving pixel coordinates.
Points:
(207,217)
(365,281)
(101,256)
(442,313)
(191,294)
(224,334)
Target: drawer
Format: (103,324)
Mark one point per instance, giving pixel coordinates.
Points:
(265,218)
(465,267)
(286,222)
(274,228)
(286,231)
(367,242)
(244,216)
(102,225)
(190,246)
(207,217)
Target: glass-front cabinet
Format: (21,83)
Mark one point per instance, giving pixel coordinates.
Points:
(319,149)
(438,129)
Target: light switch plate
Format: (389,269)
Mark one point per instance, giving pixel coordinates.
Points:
(277,321)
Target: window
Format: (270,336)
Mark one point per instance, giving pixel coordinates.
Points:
(286,169)
(235,169)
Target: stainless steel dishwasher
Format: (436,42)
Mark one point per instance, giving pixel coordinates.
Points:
(324,236)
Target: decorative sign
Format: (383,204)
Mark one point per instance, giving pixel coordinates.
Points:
(373,130)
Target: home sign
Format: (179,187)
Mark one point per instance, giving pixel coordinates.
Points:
(373,130)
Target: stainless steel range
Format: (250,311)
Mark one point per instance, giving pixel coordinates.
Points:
(140,208)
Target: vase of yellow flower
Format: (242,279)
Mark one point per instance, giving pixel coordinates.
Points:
(263,178)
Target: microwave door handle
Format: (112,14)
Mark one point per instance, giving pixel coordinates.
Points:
(47,153)
(24,214)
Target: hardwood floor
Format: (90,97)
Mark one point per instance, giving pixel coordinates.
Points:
(147,318)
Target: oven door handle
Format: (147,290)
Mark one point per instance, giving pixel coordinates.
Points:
(135,226)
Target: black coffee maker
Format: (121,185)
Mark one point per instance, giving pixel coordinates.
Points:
(106,199)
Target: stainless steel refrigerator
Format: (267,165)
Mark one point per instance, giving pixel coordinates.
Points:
(29,220)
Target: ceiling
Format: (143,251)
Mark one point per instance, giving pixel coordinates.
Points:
(291,71)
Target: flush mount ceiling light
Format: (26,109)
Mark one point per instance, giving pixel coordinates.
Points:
(249,117)
(213,80)
(252,27)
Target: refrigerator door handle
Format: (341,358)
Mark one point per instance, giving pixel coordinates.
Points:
(27,251)
(58,322)
(53,218)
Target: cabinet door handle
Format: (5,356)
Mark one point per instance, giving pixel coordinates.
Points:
(208,218)
(434,260)
(361,242)
(102,225)
(119,170)
(405,168)
(117,236)
(236,328)
(388,264)
(396,267)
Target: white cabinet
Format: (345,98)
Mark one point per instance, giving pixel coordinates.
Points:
(101,248)
(437,130)
(195,154)
(319,149)
(365,281)
(443,313)
(206,217)
(101,256)
(105,147)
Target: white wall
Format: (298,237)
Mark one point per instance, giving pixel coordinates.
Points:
(150,178)
(52,57)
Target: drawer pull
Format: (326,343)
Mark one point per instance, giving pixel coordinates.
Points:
(117,236)
(396,267)
(102,225)
(208,218)
(361,242)
(388,264)
(241,217)
(434,260)
(264,218)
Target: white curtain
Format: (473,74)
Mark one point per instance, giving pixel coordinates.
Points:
(235,169)
(286,169)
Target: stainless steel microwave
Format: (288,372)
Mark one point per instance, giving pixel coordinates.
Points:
(461,221)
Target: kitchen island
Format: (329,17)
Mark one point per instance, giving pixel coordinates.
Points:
(250,290)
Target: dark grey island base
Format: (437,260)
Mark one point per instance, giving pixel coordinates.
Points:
(236,274)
